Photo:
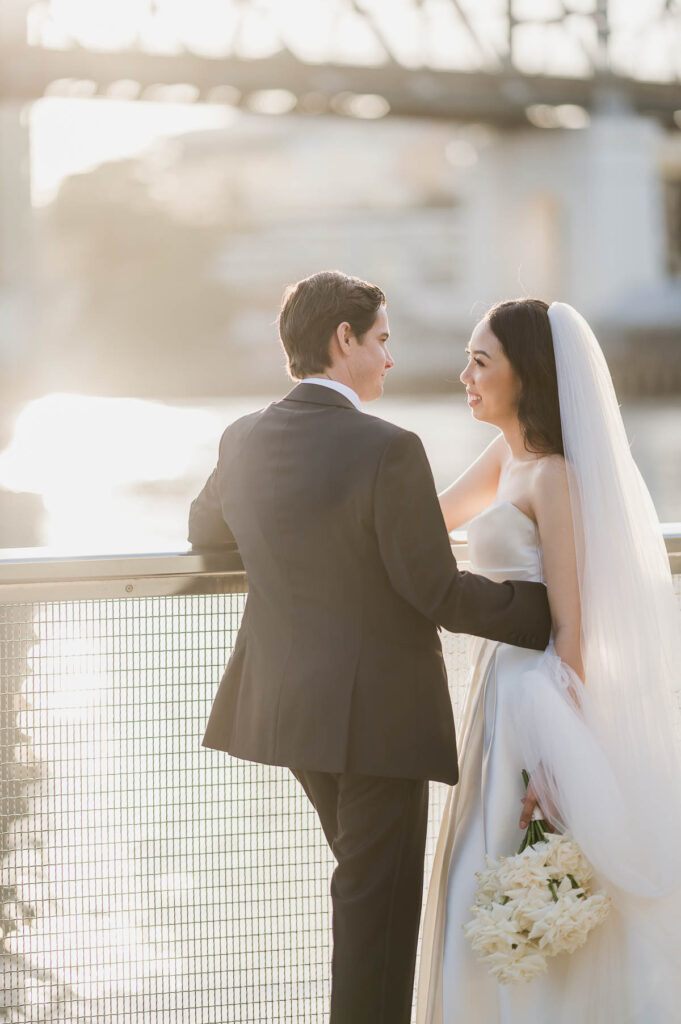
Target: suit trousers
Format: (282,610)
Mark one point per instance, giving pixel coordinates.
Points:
(376,828)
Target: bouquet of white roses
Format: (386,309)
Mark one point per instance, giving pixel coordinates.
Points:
(534,905)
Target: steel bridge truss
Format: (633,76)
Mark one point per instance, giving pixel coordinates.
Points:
(462,59)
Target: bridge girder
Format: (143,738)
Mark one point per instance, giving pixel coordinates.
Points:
(495,87)
(502,98)
(480,35)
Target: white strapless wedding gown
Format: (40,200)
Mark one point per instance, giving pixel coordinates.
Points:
(481,817)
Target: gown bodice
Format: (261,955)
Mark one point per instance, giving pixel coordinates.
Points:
(503,544)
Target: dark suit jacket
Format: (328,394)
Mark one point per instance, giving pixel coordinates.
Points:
(337,665)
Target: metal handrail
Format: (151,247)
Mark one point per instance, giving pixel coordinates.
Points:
(37,574)
(28,576)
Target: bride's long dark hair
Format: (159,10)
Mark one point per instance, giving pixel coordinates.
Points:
(524,331)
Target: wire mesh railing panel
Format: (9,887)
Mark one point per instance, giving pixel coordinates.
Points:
(145,878)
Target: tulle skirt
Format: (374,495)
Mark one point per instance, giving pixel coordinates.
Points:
(627,970)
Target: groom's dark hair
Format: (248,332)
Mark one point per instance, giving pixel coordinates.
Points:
(313,308)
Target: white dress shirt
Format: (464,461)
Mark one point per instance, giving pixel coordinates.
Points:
(335,385)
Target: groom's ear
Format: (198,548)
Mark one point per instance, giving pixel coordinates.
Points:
(342,338)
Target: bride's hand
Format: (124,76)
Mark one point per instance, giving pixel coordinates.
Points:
(549,813)
(529,804)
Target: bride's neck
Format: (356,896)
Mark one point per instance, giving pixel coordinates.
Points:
(515,440)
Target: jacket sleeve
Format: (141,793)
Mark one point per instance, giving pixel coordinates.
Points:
(417,555)
(207,525)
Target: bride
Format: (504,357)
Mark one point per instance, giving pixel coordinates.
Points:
(557,497)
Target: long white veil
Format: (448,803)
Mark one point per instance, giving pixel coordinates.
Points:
(607,754)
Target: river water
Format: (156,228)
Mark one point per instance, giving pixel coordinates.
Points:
(118,474)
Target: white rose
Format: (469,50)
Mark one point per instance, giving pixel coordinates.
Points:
(597,907)
(521,964)
(566,858)
(517,879)
(530,906)
(526,870)
(488,886)
(492,929)
(565,925)
(557,929)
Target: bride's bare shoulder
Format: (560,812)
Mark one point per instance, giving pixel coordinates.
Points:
(551,468)
(550,483)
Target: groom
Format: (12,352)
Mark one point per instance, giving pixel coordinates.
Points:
(337,671)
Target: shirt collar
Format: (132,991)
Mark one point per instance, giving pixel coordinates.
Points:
(335,385)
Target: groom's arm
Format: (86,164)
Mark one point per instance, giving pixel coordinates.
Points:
(207,525)
(417,554)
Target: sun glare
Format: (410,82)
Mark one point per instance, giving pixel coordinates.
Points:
(86,455)
(71,136)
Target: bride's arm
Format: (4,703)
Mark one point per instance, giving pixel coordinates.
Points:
(475,489)
(551,506)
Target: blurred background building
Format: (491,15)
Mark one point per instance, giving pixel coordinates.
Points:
(166,168)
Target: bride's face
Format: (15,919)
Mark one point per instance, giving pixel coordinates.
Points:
(492,385)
